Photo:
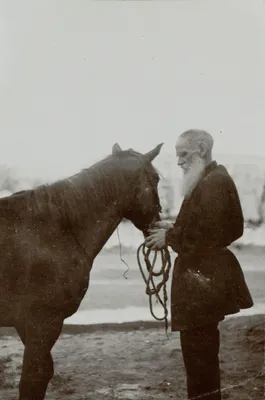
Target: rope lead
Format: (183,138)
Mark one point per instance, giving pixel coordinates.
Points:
(151,288)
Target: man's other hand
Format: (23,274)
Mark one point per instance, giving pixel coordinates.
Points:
(164,225)
(157,239)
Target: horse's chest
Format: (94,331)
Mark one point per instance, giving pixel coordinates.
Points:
(74,284)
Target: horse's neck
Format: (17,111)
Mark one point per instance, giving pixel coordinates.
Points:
(103,216)
(92,238)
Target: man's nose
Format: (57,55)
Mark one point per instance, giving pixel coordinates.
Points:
(180,161)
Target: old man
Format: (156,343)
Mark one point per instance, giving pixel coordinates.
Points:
(207,282)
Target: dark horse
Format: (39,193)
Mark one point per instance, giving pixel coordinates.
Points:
(50,237)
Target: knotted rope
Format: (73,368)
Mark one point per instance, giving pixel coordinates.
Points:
(151,288)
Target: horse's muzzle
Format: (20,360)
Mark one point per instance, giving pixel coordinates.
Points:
(151,225)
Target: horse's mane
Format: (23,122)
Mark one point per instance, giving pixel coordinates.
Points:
(94,186)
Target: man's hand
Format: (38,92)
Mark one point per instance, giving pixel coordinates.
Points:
(157,239)
(164,225)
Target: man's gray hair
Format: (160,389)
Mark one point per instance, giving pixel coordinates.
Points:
(198,136)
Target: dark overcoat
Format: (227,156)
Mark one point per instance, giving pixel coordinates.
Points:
(207,282)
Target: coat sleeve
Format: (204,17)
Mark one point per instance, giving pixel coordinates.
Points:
(173,235)
(173,238)
(214,219)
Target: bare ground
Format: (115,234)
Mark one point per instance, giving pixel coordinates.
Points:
(138,362)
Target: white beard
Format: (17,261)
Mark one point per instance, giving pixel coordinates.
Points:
(192,176)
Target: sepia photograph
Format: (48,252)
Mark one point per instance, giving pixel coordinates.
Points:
(132,200)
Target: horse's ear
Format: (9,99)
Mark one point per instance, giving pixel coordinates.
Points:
(149,157)
(116,149)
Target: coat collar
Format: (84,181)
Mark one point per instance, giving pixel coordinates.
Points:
(209,168)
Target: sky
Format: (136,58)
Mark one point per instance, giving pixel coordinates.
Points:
(76,76)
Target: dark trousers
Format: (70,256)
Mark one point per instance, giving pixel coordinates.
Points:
(200,348)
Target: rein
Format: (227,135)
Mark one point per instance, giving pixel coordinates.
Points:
(151,288)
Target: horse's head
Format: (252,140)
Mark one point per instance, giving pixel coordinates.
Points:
(144,206)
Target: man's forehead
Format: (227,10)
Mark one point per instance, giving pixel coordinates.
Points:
(183,143)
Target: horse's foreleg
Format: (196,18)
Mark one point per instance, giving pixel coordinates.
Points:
(37,372)
(37,369)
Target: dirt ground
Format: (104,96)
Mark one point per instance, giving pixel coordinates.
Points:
(138,362)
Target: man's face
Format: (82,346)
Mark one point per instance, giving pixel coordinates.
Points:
(192,164)
(186,153)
